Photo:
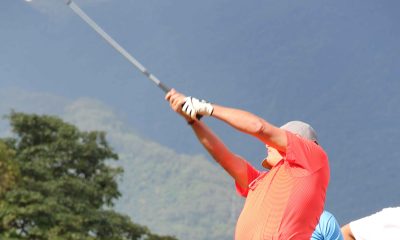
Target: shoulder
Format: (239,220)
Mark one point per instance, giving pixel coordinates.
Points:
(381,225)
(296,143)
(327,218)
(328,227)
(386,216)
(305,153)
(252,175)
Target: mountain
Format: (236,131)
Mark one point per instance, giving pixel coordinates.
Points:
(177,194)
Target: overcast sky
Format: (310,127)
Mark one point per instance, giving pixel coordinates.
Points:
(243,54)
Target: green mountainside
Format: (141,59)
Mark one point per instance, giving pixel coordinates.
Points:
(187,196)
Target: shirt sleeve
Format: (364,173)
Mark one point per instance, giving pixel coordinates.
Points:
(327,229)
(304,153)
(252,174)
(333,231)
(363,227)
(381,225)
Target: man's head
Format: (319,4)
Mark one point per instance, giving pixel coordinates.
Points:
(299,128)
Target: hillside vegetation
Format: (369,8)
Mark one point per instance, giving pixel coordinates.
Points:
(182,195)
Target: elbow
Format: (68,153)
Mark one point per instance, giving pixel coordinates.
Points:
(259,128)
(254,127)
(264,131)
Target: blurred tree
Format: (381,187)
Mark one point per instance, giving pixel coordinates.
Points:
(66,189)
(8,169)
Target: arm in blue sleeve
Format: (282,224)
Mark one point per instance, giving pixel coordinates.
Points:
(327,229)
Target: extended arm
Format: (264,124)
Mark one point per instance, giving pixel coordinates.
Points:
(251,124)
(233,164)
(243,121)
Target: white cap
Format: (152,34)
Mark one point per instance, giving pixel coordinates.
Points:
(302,129)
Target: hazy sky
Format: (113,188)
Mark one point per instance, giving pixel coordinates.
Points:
(335,64)
(243,54)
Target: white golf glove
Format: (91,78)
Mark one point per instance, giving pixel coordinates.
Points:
(194,107)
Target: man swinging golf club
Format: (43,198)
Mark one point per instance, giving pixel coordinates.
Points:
(284,203)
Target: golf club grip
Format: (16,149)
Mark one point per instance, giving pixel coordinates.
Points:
(163,87)
(166,89)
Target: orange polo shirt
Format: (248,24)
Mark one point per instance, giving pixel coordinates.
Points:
(286,202)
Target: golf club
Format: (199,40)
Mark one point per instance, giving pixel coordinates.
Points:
(115,45)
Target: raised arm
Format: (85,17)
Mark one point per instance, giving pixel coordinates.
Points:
(243,121)
(251,124)
(233,164)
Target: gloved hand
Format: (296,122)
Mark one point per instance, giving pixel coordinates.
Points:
(194,107)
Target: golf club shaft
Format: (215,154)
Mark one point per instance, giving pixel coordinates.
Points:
(115,45)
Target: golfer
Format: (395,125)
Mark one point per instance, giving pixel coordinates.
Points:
(284,203)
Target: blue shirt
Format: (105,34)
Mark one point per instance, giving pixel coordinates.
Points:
(327,229)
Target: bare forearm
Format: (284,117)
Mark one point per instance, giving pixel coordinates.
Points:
(210,141)
(234,165)
(251,124)
(239,119)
